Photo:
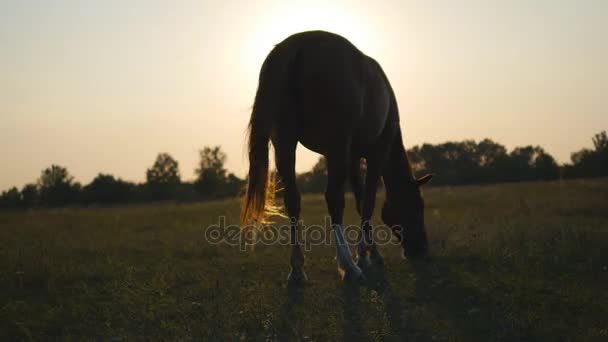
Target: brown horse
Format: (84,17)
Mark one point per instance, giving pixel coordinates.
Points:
(318,89)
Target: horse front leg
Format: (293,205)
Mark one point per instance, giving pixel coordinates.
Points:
(337,168)
(355,180)
(367,250)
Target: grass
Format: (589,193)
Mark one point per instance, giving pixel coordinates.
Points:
(509,262)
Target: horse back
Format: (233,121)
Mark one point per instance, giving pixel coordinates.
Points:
(334,91)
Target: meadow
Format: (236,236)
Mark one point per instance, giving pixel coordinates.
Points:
(525,261)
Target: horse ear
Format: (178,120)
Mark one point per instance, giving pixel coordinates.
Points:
(424,179)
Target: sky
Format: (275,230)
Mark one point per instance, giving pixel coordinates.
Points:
(104,86)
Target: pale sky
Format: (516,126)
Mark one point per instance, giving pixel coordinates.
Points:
(105,85)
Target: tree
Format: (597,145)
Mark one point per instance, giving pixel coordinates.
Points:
(600,142)
(29,195)
(417,163)
(164,171)
(490,153)
(492,159)
(10,198)
(106,189)
(163,178)
(590,163)
(545,167)
(213,180)
(468,162)
(234,185)
(314,180)
(57,187)
(532,163)
(211,174)
(453,162)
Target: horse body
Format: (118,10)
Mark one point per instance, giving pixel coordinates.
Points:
(335,91)
(318,89)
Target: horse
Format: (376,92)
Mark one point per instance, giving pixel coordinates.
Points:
(318,89)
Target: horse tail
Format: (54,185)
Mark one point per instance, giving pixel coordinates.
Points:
(258,202)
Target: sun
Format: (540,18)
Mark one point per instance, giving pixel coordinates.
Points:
(286,18)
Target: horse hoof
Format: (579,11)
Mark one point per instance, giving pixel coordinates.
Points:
(353,274)
(297,278)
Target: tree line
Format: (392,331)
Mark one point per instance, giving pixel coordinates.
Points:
(56,187)
(470,162)
(453,163)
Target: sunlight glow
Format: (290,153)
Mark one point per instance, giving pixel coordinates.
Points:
(287,18)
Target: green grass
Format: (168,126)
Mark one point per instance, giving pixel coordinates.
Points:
(509,262)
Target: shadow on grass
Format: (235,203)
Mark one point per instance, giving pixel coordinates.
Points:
(461,311)
(289,327)
(439,305)
(443,306)
(402,328)
(352,323)
(288,324)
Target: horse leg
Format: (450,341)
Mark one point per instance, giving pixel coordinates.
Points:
(355,180)
(367,251)
(285,160)
(337,169)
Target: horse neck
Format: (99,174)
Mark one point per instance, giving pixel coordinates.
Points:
(398,175)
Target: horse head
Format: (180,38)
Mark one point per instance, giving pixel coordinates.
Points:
(403,211)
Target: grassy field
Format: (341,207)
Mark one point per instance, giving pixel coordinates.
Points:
(509,262)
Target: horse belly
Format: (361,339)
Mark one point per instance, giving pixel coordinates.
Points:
(326,112)
(315,135)
(327,116)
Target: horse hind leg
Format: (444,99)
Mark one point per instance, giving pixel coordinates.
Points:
(337,169)
(285,156)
